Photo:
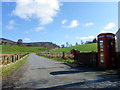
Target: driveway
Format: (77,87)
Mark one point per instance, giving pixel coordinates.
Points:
(47,73)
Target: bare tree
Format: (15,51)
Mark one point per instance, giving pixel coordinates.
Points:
(67,44)
(82,42)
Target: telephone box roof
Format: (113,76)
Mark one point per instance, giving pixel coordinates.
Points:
(106,34)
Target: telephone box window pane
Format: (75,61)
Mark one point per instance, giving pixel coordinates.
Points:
(111,47)
(102,61)
(109,35)
(111,44)
(101,57)
(101,53)
(102,49)
(101,36)
(101,44)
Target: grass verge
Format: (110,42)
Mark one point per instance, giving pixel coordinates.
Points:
(59,59)
(11,68)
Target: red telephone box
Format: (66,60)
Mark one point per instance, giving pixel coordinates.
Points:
(106,50)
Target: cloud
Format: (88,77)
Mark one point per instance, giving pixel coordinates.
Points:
(109,26)
(26,32)
(73,24)
(26,39)
(64,21)
(10,25)
(82,38)
(89,24)
(43,10)
(39,29)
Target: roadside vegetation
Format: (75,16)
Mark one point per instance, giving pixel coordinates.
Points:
(6,70)
(59,59)
(20,49)
(81,48)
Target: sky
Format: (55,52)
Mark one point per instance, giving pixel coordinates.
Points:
(57,22)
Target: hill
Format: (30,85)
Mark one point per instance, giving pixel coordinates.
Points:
(20,49)
(6,41)
(81,48)
(50,45)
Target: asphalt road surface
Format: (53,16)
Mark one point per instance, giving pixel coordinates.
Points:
(46,73)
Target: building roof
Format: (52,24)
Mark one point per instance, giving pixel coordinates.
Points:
(118,31)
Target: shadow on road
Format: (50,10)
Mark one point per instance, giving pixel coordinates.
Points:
(65,72)
(73,70)
(108,80)
(91,83)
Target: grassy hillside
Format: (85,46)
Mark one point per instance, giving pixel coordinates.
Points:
(81,48)
(20,49)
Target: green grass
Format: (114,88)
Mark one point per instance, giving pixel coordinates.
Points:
(81,48)
(59,59)
(7,70)
(20,49)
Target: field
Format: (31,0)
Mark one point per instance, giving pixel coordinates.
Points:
(31,49)
(20,49)
(81,48)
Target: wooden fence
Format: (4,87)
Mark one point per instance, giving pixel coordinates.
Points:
(10,58)
(58,55)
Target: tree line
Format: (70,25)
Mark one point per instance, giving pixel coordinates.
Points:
(67,44)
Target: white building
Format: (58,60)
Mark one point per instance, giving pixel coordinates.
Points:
(118,40)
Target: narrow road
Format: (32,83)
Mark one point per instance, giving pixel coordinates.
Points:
(46,73)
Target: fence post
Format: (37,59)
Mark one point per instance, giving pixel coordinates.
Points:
(3,60)
(8,59)
(52,54)
(63,56)
(12,58)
